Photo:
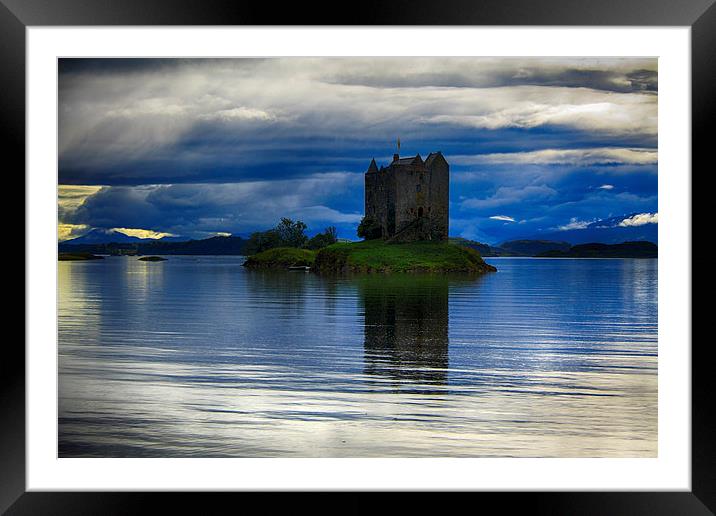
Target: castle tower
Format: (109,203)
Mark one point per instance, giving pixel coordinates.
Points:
(409,198)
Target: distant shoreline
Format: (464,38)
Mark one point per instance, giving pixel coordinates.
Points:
(237,246)
(490,257)
(574,257)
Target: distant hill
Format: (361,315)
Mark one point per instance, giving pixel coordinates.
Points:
(512,247)
(555,249)
(218,245)
(483,249)
(605,231)
(103,236)
(596,250)
(233,245)
(532,247)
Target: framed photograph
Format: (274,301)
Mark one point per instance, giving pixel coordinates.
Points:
(444,248)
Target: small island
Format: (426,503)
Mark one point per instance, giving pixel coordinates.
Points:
(152,259)
(374,256)
(67,257)
(405,229)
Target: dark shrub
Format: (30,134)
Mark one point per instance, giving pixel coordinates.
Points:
(369,229)
(321,240)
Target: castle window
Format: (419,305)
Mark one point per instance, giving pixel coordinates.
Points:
(417,188)
(420,211)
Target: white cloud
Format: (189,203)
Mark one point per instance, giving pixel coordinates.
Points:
(606,187)
(533,106)
(154,107)
(574,223)
(640,219)
(502,217)
(114,116)
(578,157)
(239,113)
(483,72)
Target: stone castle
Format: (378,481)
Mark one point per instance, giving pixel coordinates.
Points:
(409,198)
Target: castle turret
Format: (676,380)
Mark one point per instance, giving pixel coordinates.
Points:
(409,198)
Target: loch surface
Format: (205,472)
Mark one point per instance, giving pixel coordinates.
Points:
(198,357)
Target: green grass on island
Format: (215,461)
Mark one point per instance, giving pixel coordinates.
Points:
(379,256)
(66,257)
(375,256)
(281,258)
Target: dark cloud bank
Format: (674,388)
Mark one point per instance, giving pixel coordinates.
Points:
(193,147)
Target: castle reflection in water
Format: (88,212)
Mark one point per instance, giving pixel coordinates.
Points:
(406,329)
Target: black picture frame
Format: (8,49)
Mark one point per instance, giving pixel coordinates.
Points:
(700,15)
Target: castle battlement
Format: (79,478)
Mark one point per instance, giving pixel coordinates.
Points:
(410,197)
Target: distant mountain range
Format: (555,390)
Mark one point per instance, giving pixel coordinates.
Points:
(513,247)
(622,241)
(550,249)
(532,247)
(103,236)
(613,230)
(218,245)
(108,236)
(623,250)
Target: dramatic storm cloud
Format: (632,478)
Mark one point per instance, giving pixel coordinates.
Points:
(201,147)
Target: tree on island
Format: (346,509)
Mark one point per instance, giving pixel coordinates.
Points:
(260,241)
(321,240)
(369,229)
(289,233)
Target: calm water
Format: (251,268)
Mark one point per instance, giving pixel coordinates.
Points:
(196,356)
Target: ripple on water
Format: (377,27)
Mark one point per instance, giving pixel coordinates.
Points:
(545,358)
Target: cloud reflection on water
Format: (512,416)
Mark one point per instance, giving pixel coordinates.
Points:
(198,357)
